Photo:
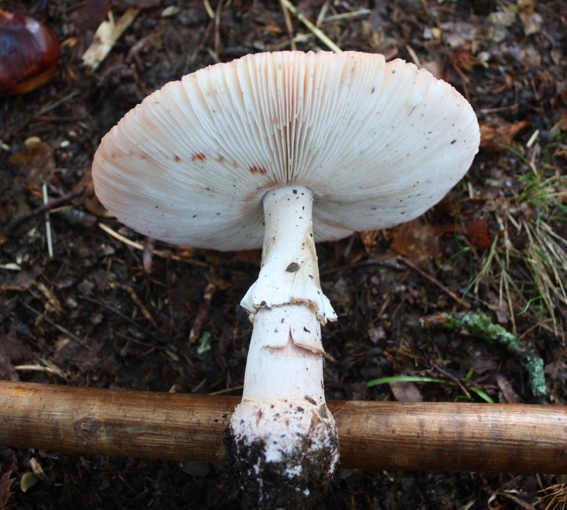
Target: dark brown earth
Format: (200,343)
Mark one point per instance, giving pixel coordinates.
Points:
(98,313)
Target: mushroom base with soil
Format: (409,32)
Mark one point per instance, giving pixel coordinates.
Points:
(282,441)
(284,453)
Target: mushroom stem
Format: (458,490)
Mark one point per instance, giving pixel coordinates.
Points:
(282,440)
(289,273)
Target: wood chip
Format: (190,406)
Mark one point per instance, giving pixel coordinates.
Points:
(106,36)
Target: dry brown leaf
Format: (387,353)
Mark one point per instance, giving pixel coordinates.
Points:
(562,124)
(5,484)
(369,239)
(94,206)
(463,59)
(36,161)
(406,392)
(532,23)
(20,281)
(416,240)
(478,234)
(52,305)
(493,139)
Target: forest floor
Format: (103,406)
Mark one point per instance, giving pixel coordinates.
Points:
(98,313)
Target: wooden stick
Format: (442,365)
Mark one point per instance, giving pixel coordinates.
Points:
(317,32)
(45,208)
(374,435)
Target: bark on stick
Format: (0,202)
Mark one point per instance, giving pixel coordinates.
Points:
(373,435)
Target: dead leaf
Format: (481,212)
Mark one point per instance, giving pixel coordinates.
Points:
(499,307)
(369,239)
(532,23)
(494,139)
(36,161)
(20,281)
(478,234)
(562,124)
(406,392)
(5,483)
(526,6)
(483,366)
(37,469)
(95,207)
(27,481)
(52,305)
(462,59)
(416,240)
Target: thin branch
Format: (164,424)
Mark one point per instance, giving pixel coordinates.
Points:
(72,336)
(166,254)
(289,26)
(317,32)
(426,275)
(58,202)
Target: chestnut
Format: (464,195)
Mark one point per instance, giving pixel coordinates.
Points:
(29,53)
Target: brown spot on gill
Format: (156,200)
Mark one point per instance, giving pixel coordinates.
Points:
(198,156)
(258,170)
(220,159)
(177,158)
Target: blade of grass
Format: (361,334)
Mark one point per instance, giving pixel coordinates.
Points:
(405,378)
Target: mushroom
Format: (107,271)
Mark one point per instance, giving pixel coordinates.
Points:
(326,144)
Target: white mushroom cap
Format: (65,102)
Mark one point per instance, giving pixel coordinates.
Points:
(377,143)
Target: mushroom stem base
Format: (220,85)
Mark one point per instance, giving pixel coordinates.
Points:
(282,471)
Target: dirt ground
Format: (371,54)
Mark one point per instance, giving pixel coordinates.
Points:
(99,313)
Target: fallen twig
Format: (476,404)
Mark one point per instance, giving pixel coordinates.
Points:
(146,313)
(317,32)
(289,26)
(373,435)
(59,328)
(58,202)
(37,368)
(202,313)
(106,36)
(426,275)
(166,254)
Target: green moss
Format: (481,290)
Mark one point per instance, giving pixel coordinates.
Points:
(480,325)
